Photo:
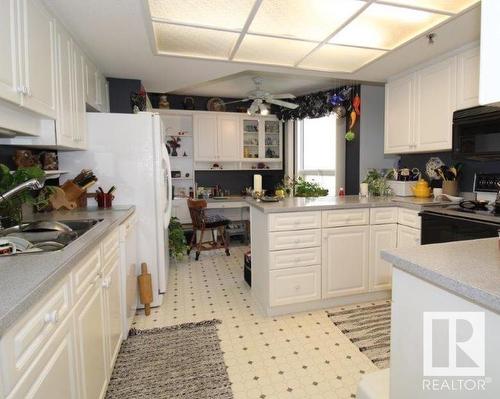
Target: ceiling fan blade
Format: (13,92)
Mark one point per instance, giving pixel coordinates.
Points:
(254,107)
(283,96)
(284,104)
(237,101)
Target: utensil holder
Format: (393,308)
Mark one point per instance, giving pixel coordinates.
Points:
(104,200)
(450,187)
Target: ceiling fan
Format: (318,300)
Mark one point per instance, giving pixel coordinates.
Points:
(261,98)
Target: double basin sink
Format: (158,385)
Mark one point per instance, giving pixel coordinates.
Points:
(45,236)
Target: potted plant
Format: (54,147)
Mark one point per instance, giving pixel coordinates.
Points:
(177,244)
(377,183)
(304,188)
(11,210)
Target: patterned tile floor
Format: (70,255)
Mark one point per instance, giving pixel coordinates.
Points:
(301,355)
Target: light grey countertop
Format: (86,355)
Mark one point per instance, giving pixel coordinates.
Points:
(24,279)
(297,204)
(470,269)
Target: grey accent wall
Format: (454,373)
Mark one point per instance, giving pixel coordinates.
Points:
(371,151)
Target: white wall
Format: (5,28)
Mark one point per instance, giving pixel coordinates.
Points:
(371,151)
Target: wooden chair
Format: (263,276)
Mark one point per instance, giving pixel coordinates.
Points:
(201,222)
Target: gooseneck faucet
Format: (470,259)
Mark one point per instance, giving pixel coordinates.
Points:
(32,184)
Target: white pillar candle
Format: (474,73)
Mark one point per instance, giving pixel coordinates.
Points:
(257,183)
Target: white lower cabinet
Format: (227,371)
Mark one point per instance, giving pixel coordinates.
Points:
(345,260)
(382,237)
(54,374)
(66,346)
(295,285)
(408,237)
(113,325)
(89,317)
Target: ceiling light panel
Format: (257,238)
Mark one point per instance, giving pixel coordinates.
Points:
(194,42)
(268,50)
(304,19)
(225,14)
(340,58)
(384,26)
(453,6)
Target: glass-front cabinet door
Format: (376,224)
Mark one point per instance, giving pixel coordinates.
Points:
(251,138)
(272,139)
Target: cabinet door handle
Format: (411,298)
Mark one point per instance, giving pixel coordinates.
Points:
(106,283)
(51,317)
(297,287)
(28,92)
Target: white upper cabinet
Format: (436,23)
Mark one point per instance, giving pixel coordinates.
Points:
(79,108)
(489,86)
(42,70)
(261,138)
(90,84)
(435,98)
(419,105)
(64,57)
(399,113)
(205,137)
(216,137)
(228,137)
(8,48)
(468,79)
(38,58)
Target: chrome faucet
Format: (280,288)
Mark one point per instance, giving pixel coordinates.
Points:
(32,184)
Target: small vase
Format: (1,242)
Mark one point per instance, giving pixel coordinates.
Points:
(450,187)
(174,152)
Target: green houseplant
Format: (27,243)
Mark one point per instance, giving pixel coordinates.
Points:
(177,244)
(304,188)
(11,210)
(377,183)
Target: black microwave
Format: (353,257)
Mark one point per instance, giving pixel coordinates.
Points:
(476,133)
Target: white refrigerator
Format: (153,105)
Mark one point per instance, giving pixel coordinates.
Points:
(128,151)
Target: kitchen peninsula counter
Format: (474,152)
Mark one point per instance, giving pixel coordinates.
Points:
(300,204)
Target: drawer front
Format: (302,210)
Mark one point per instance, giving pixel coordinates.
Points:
(409,217)
(300,284)
(346,217)
(294,258)
(383,215)
(110,245)
(294,221)
(86,273)
(26,339)
(294,239)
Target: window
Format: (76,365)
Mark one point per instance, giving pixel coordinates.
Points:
(316,151)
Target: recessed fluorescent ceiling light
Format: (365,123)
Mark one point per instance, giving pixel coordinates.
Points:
(284,32)
(225,14)
(304,19)
(195,42)
(269,50)
(386,27)
(453,6)
(340,58)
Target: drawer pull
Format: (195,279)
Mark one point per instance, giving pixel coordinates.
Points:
(51,317)
(297,287)
(297,260)
(106,283)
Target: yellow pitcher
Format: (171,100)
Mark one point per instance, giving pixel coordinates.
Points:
(421,189)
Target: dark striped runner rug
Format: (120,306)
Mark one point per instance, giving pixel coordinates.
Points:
(368,326)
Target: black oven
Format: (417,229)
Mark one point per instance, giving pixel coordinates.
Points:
(437,228)
(476,133)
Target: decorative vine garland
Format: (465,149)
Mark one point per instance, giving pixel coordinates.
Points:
(316,105)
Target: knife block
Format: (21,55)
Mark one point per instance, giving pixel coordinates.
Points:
(72,191)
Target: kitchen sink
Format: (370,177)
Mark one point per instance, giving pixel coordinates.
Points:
(45,236)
